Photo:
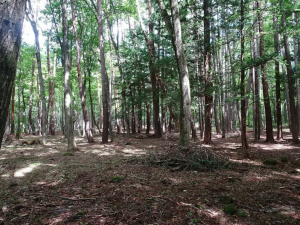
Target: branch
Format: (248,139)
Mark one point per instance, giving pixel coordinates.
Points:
(140,20)
(54,21)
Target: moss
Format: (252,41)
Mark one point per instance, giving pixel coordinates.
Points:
(230,209)
(226,200)
(68,154)
(271,162)
(284,159)
(116,179)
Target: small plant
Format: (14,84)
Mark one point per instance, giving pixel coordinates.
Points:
(226,199)
(242,214)
(199,206)
(284,159)
(271,162)
(230,209)
(116,179)
(68,154)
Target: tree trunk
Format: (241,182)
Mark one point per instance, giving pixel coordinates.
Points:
(33,23)
(296,57)
(293,111)
(268,112)
(104,77)
(278,80)
(67,94)
(243,101)
(12,123)
(18,134)
(11,22)
(151,53)
(88,130)
(52,94)
(208,83)
(30,122)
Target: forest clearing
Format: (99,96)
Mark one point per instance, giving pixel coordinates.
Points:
(150,112)
(122,183)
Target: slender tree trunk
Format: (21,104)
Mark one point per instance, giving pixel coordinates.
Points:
(100,104)
(33,23)
(67,94)
(243,101)
(104,77)
(88,130)
(151,52)
(278,80)
(208,83)
(257,119)
(12,123)
(52,94)
(18,134)
(296,57)
(30,122)
(11,22)
(294,114)
(268,112)
(174,29)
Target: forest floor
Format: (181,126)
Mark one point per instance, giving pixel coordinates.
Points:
(143,180)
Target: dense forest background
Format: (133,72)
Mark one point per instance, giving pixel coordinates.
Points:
(117,66)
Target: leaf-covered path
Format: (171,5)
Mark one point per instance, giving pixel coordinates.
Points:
(120,183)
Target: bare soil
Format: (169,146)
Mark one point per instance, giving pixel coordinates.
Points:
(127,182)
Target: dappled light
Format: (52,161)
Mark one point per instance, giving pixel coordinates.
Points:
(99,181)
(28,169)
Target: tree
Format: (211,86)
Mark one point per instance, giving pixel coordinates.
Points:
(291,81)
(268,113)
(88,131)
(67,93)
(33,22)
(208,82)
(174,29)
(153,73)
(11,24)
(243,101)
(104,77)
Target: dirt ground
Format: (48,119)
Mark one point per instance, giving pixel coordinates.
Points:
(127,182)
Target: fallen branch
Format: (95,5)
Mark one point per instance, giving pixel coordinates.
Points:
(79,199)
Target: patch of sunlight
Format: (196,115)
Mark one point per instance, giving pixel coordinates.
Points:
(288,211)
(175,180)
(50,152)
(250,162)
(5,175)
(213,213)
(22,172)
(102,152)
(151,146)
(134,151)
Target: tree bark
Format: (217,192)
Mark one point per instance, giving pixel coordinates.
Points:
(67,93)
(88,130)
(268,112)
(33,22)
(185,97)
(104,77)
(291,81)
(30,122)
(208,83)
(243,101)
(11,22)
(278,80)
(18,133)
(151,53)
(12,123)
(52,94)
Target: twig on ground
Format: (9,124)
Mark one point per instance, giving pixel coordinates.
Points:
(79,199)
